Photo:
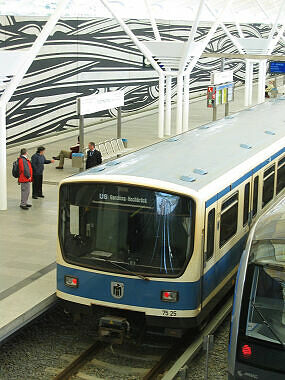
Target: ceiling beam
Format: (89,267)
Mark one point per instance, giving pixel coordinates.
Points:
(244,56)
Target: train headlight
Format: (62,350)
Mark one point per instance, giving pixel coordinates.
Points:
(71,281)
(169,296)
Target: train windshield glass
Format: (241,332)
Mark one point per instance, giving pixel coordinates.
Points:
(126,229)
(266,311)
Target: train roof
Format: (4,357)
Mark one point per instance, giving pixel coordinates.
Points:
(214,148)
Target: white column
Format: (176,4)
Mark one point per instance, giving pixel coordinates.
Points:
(186,103)
(132,36)
(275,25)
(239,30)
(34,50)
(246,83)
(261,81)
(168,106)
(3,164)
(250,83)
(10,89)
(209,36)
(191,37)
(179,105)
(152,20)
(161,107)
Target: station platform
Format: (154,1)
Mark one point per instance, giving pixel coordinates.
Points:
(28,238)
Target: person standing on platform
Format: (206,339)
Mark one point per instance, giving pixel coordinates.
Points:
(25,178)
(67,154)
(94,157)
(38,162)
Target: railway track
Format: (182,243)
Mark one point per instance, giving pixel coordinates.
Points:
(165,363)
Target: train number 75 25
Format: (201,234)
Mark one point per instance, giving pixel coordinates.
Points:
(169,313)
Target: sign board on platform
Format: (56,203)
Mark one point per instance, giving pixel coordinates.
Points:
(100,102)
(220,94)
(218,77)
(277,67)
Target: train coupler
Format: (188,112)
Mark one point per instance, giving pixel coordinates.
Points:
(113,329)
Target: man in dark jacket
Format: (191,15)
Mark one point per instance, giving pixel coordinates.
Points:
(94,157)
(38,162)
(25,178)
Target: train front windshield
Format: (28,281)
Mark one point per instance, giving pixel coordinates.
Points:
(266,309)
(125,229)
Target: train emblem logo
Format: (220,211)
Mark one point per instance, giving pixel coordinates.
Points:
(117,289)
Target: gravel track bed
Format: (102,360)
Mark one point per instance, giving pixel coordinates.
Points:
(42,348)
(217,358)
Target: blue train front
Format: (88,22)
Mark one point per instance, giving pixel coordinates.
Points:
(127,248)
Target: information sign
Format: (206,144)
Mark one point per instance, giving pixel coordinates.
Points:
(221,94)
(100,102)
(219,77)
(230,92)
(277,67)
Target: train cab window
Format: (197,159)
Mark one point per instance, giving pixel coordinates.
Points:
(126,229)
(229,219)
(211,234)
(268,185)
(246,204)
(280,175)
(255,196)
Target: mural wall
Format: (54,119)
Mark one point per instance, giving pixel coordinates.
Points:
(85,56)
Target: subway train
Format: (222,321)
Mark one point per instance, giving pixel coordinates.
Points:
(155,237)
(257,337)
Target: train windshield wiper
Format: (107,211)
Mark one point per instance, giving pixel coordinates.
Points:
(122,267)
(266,323)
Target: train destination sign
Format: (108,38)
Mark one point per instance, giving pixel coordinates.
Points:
(277,67)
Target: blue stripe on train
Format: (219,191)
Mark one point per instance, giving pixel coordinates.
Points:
(138,292)
(240,180)
(223,267)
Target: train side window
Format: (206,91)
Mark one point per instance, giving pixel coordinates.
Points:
(280,175)
(211,234)
(255,196)
(268,185)
(229,219)
(246,204)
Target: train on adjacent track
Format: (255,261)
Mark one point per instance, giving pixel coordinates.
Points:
(257,337)
(157,235)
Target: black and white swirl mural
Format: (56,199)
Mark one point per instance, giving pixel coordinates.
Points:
(84,56)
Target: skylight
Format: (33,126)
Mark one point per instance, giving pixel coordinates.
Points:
(264,11)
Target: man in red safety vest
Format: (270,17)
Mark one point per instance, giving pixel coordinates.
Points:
(25,178)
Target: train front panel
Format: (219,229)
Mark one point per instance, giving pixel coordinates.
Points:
(126,247)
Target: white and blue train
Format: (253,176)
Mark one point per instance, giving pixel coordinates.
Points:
(159,233)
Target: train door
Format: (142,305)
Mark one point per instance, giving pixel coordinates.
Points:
(246,202)
(254,199)
(209,252)
(228,236)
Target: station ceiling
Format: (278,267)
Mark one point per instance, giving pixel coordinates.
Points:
(243,11)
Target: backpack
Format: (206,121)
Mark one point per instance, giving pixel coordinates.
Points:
(15,169)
